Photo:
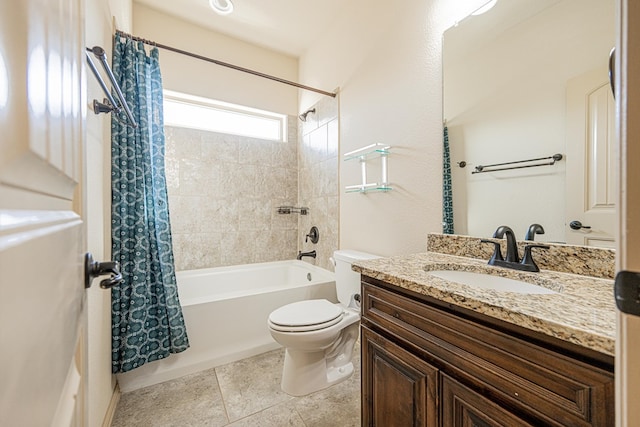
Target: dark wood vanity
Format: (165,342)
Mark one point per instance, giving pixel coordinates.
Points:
(431,363)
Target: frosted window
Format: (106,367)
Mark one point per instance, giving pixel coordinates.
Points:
(206,114)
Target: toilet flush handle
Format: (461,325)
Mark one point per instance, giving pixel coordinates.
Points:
(355,301)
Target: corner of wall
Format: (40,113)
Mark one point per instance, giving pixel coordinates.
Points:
(122,14)
(318,144)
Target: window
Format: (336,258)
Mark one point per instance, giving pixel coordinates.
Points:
(195,112)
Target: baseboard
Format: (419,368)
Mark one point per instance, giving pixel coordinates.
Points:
(113,404)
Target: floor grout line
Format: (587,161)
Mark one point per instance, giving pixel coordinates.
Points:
(232,380)
(224,403)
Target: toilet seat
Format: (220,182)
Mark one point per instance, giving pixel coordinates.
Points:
(305,316)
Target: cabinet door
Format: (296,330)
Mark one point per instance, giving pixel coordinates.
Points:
(464,407)
(398,388)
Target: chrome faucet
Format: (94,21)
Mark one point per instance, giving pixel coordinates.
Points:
(512,259)
(311,254)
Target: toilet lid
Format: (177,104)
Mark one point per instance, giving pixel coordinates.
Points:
(306,313)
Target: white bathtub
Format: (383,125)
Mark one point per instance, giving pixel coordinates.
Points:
(226,309)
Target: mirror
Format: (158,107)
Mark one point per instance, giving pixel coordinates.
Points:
(509,77)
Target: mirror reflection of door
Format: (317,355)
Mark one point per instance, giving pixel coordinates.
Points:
(591,141)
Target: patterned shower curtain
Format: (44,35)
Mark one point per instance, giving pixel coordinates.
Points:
(447,188)
(147,321)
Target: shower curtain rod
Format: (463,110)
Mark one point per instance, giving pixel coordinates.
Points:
(224,64)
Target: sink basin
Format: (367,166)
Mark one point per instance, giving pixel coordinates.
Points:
(488,281)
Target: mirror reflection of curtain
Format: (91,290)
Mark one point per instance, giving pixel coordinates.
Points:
(147,320)
(447,188)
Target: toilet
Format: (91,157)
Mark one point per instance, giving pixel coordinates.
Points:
(319,335)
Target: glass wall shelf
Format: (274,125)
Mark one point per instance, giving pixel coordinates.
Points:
(372,189)
(368,151)
(362,155)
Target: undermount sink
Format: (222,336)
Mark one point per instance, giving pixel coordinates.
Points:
(489,281)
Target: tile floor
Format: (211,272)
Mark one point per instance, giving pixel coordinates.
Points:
(241,394)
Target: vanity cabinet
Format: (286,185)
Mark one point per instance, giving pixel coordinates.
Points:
(429,363)
(401,388)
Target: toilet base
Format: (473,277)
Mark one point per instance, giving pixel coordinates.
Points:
(307,372)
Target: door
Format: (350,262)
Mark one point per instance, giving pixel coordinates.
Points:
(591,161)
(42,296)
(398,388)
(628,242)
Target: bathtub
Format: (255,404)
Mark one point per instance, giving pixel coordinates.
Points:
(226,309)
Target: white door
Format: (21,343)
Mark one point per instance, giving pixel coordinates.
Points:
(42,296)
(591,161)
(628,254)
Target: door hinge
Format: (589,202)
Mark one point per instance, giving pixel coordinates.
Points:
(627,292)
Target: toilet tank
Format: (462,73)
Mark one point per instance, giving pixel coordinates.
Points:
(347,280)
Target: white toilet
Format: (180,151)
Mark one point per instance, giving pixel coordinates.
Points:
(319,335)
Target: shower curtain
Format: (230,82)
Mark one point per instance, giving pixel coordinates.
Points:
(447,188)
(147,320)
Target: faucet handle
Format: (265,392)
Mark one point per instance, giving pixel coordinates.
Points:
(497,253)
(314,235)
(527,258)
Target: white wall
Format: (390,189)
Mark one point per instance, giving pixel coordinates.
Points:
(194,76)
(387,64)
(101,382)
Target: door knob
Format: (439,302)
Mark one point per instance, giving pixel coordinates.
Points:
(577,225)
(94,269)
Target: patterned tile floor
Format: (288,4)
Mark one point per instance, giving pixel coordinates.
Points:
(245,393)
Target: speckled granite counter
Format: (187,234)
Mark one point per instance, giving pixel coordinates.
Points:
(581,312)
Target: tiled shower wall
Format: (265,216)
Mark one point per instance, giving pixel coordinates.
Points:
(223,193)
(318,180)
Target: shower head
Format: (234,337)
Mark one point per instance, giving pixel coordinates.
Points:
(303,116)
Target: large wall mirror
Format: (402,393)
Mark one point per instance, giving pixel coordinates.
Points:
(528,79)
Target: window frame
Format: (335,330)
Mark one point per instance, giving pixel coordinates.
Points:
(228,109)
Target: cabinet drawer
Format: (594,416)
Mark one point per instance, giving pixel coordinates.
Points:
(533,380)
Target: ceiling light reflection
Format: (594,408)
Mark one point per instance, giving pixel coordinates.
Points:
(485,8)
(223,7)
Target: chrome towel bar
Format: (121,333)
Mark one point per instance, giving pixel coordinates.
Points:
(109,104)
(551,160)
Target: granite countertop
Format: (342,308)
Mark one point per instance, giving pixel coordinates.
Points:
(581,312)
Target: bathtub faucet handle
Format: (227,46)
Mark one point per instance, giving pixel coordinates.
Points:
(314,235)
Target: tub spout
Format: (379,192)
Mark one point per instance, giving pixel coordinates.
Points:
(311,254)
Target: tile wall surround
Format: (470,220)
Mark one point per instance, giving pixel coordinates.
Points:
(223,193)
(582,260)
(318,180)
